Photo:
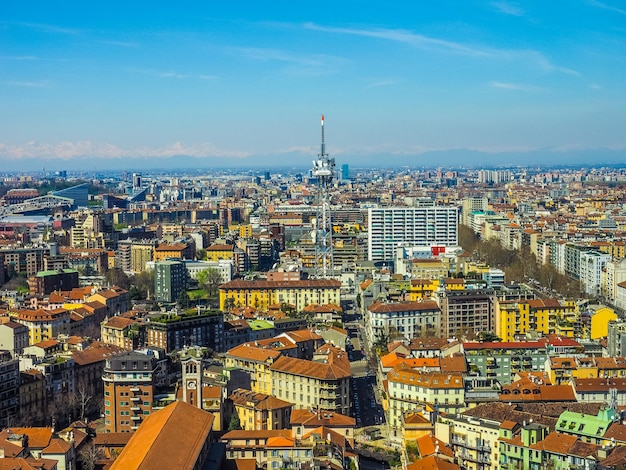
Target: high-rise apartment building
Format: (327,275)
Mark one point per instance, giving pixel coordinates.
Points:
(128,391)
(9,399)
(390,227)
(170,279)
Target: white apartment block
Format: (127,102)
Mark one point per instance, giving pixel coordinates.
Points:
(473,204)
(409,319)
(591,265)
(390,227)
(614,273)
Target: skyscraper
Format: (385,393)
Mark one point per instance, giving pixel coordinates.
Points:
(345,172)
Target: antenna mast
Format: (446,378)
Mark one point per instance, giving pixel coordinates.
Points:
(323,170)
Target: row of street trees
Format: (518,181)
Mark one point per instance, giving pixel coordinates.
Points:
(518,265)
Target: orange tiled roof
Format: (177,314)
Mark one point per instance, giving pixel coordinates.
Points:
(304,368)
(252,353)
(158,443)
(316,418)
(426,379)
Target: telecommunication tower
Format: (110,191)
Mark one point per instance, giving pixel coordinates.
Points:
(323,170)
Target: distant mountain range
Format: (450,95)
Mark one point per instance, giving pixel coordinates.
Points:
(431,159)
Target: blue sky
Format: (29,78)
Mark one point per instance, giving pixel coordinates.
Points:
(246,82)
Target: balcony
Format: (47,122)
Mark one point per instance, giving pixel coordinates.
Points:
(135,408)
(135,398)
(135,389)
(135,418)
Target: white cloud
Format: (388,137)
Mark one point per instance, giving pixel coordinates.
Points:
(407,37)
(28,84)
(508,8)
(514,86)
(312,64)
(49,28)
(174,74)
(604,6)
(533,57)
(86,149)
(381,83)
(119,43)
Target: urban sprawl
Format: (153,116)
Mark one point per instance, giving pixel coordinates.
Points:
(328,319)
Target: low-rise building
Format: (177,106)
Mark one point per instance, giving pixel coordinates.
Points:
(412,389)
(321,383)
(259,411)
(406,319)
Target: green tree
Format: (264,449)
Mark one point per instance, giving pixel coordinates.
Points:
(488,336)
(234,423)
(142,284)
(209,280)
(229,304)
(183,300)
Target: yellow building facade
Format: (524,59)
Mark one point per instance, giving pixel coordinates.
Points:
(262,294)
(544,316)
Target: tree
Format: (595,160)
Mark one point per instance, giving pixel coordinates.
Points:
(183,300)
(89,456)
(210,279)
(88,270)
(117,277)
(234,423)
(142,284)
(488,336)
(201,254)
(82,400)
(229,304)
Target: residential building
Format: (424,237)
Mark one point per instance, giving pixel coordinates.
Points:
(141,252)
(128,391)
(601,390)
(32,397)
(116,300)
(259,411)
(306,420)
(466,312)
(473,440)
(256,363)
(170,280)
(44,324)
(14,337)
(389,227)
(592,264)
(121,331)
(175,330)
(588,428)
(262,294)
(45,282)
(321,383)
(411,389)
(179,251)
(503,360)
(9,386)
(616,338)
(514,319)
(406,319)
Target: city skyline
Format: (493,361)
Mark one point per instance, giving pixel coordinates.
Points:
(483,83)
